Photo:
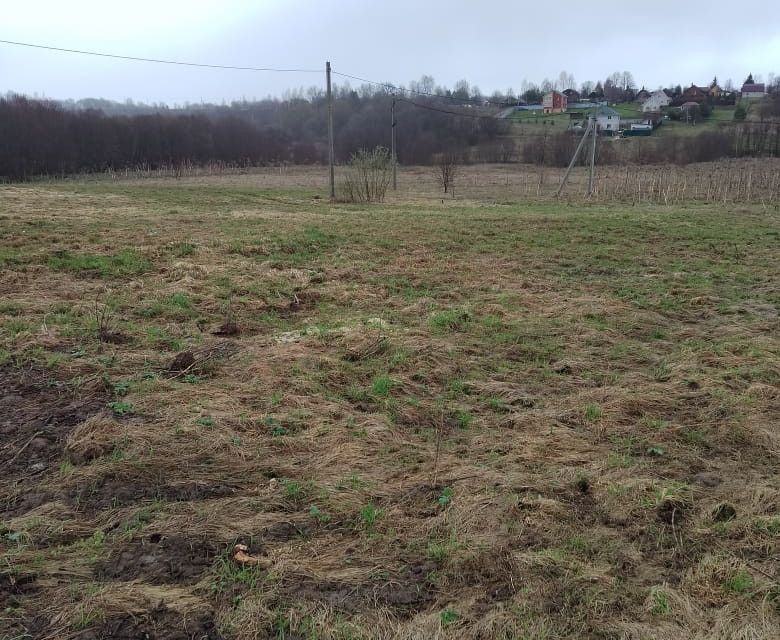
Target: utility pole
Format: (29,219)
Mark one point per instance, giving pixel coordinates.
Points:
(574,157)
(593,155)
(392,144)
(331,153)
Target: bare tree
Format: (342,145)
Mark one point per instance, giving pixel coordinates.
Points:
(446,165)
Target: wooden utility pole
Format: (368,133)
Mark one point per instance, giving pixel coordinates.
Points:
(574,158)
(595,133)
(392,144)
(331,153)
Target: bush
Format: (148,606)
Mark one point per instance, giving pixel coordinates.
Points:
(368,176)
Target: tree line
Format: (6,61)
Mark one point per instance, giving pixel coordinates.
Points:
(42,137)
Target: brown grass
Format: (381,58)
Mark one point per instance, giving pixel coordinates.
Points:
(591,382)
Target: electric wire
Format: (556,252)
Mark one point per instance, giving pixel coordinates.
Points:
(157,60)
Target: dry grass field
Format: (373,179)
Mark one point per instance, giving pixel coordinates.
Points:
(489,416)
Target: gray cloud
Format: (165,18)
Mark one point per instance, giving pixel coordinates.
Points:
(494,45)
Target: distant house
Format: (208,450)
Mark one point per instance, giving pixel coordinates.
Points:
(714,91)
(572,95)
(695,94)
(753,90)
(607,119)
(554,102)
(656,102)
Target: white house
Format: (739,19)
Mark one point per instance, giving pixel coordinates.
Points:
(607,119)
(753,90)
(655,102)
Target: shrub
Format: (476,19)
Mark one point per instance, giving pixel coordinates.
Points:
(368,176)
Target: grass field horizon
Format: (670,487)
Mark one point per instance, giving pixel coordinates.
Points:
(488,416)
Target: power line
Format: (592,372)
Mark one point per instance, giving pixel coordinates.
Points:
(156,60)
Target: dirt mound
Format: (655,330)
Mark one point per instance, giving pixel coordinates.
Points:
(160,560)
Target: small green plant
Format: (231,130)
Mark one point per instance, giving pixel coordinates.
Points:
(205,421)
(296,491)
(191,378)
(439,550)
(277,428)
(449,616)
(15,327)
(121,408)
(446,496)
(321,517)
(767,526)
(227,574)
(381,386)
(464,419)
(740,582)
(662,373)
(592,412)
(87,617)
(659,602)
(183,249)
(121,388)
(356,482)
(370,515)
(498,405)
(180,300)
(450,320)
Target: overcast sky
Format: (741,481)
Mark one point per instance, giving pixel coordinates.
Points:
(495,45)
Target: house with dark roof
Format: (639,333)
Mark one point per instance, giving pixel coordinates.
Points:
(572,95)
(695,94)
(753,90)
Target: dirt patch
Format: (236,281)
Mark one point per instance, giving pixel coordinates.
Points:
(298,302)
(37,412)
(227,329)
(160,560)
(111,491)
(406,592)
(495,573)
(113,337)
(182,362)
(286,530)
(12,586)
(158,624)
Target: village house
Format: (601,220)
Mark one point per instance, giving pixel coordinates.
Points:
(753,90)
(715,91)
(695,94)
(572,95)
(554,102)
(656,102)
(607,119)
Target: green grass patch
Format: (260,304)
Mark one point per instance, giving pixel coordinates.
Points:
(125,263)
